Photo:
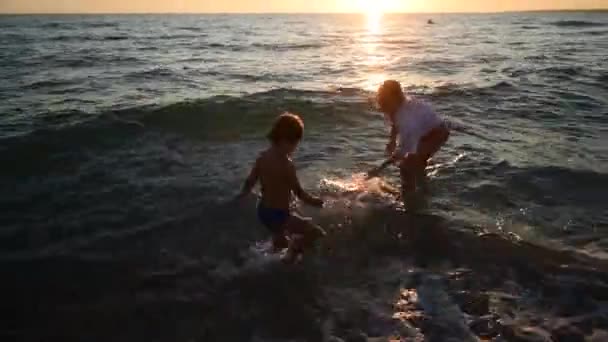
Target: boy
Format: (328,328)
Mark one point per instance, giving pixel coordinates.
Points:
(277,175)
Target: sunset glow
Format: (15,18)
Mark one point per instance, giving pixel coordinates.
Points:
(375,8)
(371,7)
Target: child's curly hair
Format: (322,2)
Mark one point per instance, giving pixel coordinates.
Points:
(287,127)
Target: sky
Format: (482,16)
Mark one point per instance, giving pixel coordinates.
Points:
(242,6)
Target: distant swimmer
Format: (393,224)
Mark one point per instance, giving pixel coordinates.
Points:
(421,131)
(277,175)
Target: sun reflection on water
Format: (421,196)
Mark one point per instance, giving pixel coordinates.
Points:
(374,61)
(374,21)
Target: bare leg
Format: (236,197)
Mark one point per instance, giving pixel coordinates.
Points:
(305,233)
(421,178)
(427,148)
(409,170)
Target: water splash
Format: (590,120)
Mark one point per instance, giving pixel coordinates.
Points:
(433,169)
(359,190)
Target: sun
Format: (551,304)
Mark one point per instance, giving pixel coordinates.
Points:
(375,9)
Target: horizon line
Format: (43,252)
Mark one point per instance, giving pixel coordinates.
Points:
(283,13)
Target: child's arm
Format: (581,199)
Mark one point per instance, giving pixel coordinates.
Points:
(392,141)
(297,189)
(375,172)
(249,182)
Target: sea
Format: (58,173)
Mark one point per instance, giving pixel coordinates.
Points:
(124,138)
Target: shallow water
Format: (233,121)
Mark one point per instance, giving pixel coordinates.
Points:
(123,137)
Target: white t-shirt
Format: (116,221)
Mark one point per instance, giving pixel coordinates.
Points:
(414,120)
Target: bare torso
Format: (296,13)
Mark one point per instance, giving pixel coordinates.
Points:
(275,178)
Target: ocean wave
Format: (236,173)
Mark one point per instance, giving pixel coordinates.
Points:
(77,24)
(89,59)
(87,38)
(469,89)
(400,42)
(147,48)
(538,57)
(35,152)
(595,33)
(218,45)
(152,73)
(205,118)
(222,46)
(576,23)
(210,118)
(48,84)
(56,25)
(14,37)
(172,36)
(66,38)
(115,38)
(390,291)
(190,28)
(77,62)
(580,188)
(500,189)
(180,36)
(264,77)
(100,24)
(602,78)
(287,47)
(562,70)
(442,66)
(264,46)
